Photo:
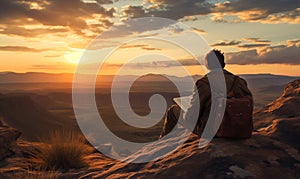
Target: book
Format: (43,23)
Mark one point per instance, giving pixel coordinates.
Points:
(183,102)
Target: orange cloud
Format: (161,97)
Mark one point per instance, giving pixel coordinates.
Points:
(226,43)
(282,54)
(29,49)
(268,12)
(72,16)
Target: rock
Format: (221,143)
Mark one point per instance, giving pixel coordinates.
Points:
(8,137)
(261,156)
(239,172)
(286,106)
(272,152)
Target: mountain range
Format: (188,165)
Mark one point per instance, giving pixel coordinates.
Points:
(256,80)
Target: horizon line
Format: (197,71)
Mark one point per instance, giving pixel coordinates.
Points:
(3,72)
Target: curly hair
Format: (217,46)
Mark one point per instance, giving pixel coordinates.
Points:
(211,59)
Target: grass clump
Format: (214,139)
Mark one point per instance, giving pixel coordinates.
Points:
(62,150)
(38,174)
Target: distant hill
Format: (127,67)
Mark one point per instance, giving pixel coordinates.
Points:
(36,77)
(23,113)
(254,80)
(265,80)
(32,77)
(265,87)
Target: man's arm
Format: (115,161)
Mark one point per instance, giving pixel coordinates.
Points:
(201,94)
(245,88)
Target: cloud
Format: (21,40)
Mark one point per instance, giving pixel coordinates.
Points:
(263,11)
(226,43)
(172,63)
(148,35)
(19,49)
(138,28)
(283,54)
(130,11)
(70,14)
(29,49)
(158,64)
(243,43)
(266,11)
(253,45)
(151,48)
(98,1)
(90,17)
(25,32)
(53,56)
(257,40)
(268,6)
(143,47)
(134,46)
(58,66)
(293,43)
(171,9)
(189,18)
(199,30)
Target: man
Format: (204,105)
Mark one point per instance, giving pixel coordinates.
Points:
(202,95)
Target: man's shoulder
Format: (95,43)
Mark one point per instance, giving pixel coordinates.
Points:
(202,81)
(244,82)
(227,75)
(232,76)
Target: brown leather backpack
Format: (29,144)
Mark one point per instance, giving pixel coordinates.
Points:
(237,121)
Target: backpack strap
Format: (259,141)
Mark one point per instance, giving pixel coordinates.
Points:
(233,87)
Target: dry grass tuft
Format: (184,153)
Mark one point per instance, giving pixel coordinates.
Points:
(62,150)
(38,174)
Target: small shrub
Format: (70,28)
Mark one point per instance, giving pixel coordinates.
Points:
(62,150)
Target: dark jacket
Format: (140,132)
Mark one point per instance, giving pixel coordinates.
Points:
(202,91)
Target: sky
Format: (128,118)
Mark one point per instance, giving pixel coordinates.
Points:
(257,36)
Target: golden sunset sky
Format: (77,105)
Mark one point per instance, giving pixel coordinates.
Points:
(257,36)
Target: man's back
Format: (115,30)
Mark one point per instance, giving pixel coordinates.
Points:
(204,92)
(201,100)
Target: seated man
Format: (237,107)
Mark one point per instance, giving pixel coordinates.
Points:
(202,91)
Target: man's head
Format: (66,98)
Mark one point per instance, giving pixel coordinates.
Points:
(215,59)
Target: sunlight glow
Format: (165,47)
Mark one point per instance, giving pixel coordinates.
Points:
(74,56)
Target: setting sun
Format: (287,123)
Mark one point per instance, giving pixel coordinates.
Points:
(74,56)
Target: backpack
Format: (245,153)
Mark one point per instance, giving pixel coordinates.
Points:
(237,120)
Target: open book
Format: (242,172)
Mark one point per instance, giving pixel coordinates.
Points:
(183,102)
